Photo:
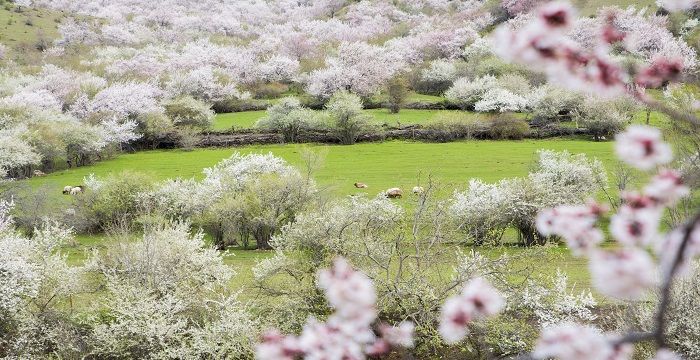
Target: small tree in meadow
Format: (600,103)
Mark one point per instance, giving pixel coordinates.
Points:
(397,91)
(348,121)
(289,118)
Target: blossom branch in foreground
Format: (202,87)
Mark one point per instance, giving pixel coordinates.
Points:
(348,332)
(627,272)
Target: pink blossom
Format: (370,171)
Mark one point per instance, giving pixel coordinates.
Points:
(667,250)
(347,334)
(621,351)
(609,32)
(576,224)
(322,341)
(350,292)
(570,341)
(557,15)
(642,147)
(456,315)
(665,354)
(543,45)
(659,71)
(622,273)
(378,348)
(477,299)
(635,227)
(401,335)
(276,346)
(667,187)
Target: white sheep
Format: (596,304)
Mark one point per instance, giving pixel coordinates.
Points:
(72,190)
(418,190)
(394,193)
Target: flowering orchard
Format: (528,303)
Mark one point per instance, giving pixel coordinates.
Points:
(625,272)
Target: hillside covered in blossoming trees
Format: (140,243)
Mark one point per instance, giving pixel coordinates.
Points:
(348,180)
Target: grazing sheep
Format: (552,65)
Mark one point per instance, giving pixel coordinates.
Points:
(360,185)
(38,173)
(394,193)
(418,190)
(72,190)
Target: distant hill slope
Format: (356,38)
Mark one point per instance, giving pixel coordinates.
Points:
(23,30)
(590,7)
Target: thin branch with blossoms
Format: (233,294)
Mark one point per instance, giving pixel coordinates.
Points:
(626,273)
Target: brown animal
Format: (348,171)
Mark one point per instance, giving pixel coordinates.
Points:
(394,193)
(360,185)
(38,173)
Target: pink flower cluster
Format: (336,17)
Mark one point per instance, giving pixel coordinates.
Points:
(478,299)
(629,271)
(569,341)
(348,332)
(544,45)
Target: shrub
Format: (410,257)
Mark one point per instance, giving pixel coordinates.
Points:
(452,127)
(437,77)
(167,294)
(479,211)
(396,91)
(484,210)
(235,105)
(601,118)
(261,208)
(187,137)
(113,202)
(157,128)
(187,111)
(239,198)
(515,83)
(500,100)
(508,127)
(267,90)
(288,118)
(347,120)
(553,104)
(368,232)
(36,283)
(466,93)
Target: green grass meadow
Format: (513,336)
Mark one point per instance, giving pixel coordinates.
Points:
(380,165)
(247,119)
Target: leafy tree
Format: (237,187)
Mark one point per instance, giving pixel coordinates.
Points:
(347,120)
(397,92)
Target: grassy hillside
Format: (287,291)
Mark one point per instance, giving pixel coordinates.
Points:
(25,28)
(590,7)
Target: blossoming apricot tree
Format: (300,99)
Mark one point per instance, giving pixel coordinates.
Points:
(625,272)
